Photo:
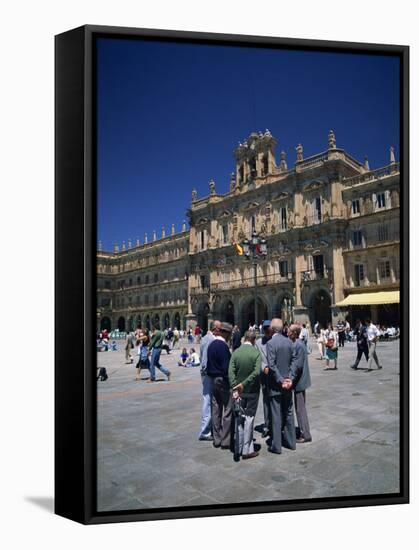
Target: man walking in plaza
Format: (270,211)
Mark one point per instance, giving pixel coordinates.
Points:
(373,336)
(341,329)
(301,383)
(155,348)
(261,345)
(205,433)
(244,377)
(218,360)
(281,374)
(361,335)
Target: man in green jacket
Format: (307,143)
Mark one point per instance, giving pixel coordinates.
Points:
(244,377)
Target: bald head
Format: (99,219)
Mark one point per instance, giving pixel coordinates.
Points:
(215,327)
(294,331)
(276,325)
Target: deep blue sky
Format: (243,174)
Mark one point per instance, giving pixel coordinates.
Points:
(170,116)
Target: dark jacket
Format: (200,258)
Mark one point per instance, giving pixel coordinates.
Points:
(218,359)
(281,362)
(303,379)
(236,339)
(361,336)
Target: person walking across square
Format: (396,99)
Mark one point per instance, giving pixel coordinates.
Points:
(155,348)
(373,336)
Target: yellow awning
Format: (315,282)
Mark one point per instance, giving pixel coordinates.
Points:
(371,298)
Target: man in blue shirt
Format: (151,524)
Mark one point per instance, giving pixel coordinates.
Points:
(218,360)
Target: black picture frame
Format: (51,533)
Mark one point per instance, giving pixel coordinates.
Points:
(75,294)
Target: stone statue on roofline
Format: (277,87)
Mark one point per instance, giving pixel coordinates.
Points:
(299,150)
(194,195)
(332,140)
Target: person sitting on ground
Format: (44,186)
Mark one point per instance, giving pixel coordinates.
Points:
(193,360)
(183,358)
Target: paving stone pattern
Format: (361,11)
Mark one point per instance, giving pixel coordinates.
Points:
(149,455)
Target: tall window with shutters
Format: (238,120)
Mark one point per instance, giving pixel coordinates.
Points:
(283,218)
(359,274)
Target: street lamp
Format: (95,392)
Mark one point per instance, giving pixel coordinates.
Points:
(254,250)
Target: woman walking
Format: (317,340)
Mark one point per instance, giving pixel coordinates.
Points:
(321,341)
(143,341)
(331,347)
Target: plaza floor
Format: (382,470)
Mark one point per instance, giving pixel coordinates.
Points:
(149,455)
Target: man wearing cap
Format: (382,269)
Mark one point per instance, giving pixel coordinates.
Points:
(282,372)
(218,360)
(301,383)
(244,375)
(261,345)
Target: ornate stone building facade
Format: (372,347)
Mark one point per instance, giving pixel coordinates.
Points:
(141,284)
(331,226)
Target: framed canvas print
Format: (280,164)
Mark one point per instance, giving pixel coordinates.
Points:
(231,274)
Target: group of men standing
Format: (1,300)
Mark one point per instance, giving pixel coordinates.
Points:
(275,363)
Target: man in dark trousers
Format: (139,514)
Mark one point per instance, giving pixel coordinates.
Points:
(261,345)
(282,372)
(361,336)
(301,383)
(218,360)
(341,328)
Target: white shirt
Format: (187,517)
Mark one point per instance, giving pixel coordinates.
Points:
(372,332)
(194,359)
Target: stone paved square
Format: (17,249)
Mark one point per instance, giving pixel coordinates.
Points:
(149,455)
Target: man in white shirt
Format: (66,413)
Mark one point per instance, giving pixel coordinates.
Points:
(373,336)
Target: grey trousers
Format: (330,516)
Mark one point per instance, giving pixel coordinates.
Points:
(221,412)
(301,414)
(245,429)
(372,354)
(283,425)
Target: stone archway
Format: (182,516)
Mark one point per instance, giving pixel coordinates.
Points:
(131,322)
(284,307)
(105,324)
(176,321)
(147,322)
(138,321)
(202,320)
(319,306)
(121,324)
(166,321)
(247,313)
(227,312)
(156,320)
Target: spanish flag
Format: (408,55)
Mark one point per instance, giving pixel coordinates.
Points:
(239,249)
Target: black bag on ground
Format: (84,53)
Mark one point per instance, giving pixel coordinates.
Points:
(103,375)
